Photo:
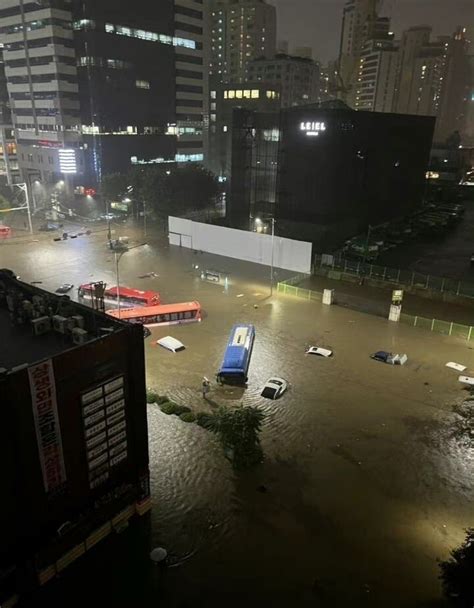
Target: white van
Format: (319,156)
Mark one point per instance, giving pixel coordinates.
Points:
(171,344)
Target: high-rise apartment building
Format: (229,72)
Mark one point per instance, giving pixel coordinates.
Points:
(96,87)
(411,43)
(241,30)
(376,76)
(434,79)
(297,78)
(359,17)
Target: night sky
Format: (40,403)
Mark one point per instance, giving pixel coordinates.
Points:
(317,23)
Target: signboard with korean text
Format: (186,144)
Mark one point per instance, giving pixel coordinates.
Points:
(105,429)
(48,431)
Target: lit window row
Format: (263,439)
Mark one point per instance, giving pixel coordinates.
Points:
(121,30)
(242,94)
(179,158)
(248,94)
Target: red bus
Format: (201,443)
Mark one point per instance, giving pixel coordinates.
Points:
(128,297)
(166,314)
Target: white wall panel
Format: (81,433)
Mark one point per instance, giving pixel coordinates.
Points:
(242,245)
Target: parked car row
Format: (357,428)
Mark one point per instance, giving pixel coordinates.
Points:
(433,219)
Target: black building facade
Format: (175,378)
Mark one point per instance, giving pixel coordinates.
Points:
(338,170)
(141,82)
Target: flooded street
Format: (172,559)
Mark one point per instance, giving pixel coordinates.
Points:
(363,486)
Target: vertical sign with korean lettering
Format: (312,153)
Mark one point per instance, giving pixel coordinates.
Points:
(105,428)
(48,432)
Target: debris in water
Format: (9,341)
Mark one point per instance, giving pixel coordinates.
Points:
(158,555)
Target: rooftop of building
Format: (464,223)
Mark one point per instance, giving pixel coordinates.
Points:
(284,57)
(36,324)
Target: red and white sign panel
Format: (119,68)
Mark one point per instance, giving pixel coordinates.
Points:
(48,432)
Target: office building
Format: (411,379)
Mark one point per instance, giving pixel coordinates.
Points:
(297,78)
(358,21)
(141,82)
(338,169)
(95,88)
(41,73)
(8,157)
(241,30)
(225,97)
(73,432)
(376,76)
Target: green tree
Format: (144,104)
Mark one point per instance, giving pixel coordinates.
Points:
(175,190)
(114,186)
(238,431)
(457,573)
(4,202)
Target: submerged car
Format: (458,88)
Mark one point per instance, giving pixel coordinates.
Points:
(64,288)
(171,344)
(319,351)
(274,388)
(386,357)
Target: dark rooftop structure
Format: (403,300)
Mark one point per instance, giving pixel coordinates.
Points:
(73,431)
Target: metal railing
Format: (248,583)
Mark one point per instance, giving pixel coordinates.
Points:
(391,276)
(446,328)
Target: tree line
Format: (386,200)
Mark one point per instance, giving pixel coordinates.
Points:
(164,189)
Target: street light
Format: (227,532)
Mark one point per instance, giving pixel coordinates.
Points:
(118,257)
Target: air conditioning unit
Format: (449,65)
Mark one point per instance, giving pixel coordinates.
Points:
(41,325)
(78,321)
(60,324)
(79,336)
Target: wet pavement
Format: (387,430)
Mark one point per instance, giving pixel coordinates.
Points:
(363,486)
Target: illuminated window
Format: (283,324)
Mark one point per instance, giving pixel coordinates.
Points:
(142,84)
(226,94)
(255,93)
(213,94)
(238,94)
(121,30)
(231,94)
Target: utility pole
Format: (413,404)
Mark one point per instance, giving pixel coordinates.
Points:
(271,265)
(24,188)
(118,257)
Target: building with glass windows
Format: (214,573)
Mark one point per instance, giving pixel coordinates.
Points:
(324,171)
(224,97)
(95,87)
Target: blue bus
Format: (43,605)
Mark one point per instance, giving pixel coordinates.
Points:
(235,366)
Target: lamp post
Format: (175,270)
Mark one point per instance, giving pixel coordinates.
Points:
(118,257)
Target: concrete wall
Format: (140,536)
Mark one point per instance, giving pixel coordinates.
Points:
(240,244)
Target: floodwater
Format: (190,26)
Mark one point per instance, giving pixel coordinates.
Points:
(362,488)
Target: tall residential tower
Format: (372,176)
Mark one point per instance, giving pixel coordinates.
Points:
(241,30)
